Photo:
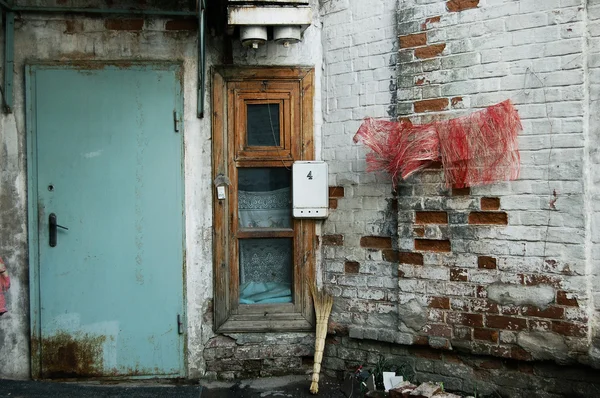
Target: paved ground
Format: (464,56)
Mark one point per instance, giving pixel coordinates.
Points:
(290,387)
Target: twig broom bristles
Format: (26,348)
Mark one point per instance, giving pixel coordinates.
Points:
(323,303)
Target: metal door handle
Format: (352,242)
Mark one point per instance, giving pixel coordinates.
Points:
(52,225)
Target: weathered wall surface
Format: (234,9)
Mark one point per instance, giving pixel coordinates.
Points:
(77,39)
(359,80)
(243,355)
(503,270)
(593,170)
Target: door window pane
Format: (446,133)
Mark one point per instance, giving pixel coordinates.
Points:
(265,271)
(264,198)
(263,125)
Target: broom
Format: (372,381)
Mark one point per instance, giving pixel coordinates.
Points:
(323,303)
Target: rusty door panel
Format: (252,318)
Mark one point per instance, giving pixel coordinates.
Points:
(109,167)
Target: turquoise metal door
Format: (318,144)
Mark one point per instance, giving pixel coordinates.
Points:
(106,220)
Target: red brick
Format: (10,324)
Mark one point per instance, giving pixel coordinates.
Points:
(391,256)
(333,240)
(500,351)
(459,275)
(438,330)
(419,231)
(182,24)
(562,299)
(431,217)
(510,310)
(439,302)
(420,81)
(455,101)
(430,51)
(431,245)
(415,40)
(333,203)
(490,203)
(124,24)
(540,325)
(376,242)
(351,267)
(481,292)
(520,354)
(569,329)
(460,5)
(457,318)
(552,312)
(475,305)
(466,191)
(486,262)
(421,340)
(485,334)
(411,258)
(431,105)
(480,218)
(539,279)
(336,192)
(505,322)
(430,21)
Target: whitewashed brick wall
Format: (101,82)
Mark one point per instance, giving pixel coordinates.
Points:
(541,238)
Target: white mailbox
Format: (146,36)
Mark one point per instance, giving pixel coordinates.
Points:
(310,196)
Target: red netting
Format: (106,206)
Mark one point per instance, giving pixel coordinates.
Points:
(476,149)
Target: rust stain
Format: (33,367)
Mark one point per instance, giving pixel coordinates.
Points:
(67,356)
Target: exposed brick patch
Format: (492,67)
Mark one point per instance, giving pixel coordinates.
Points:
(490,203)
(563,299)
(419,231)
(333,203)
(438,330)
(376,242)
(415,40)
(485,334)
(569,329)
(124,24)
(410,258)
(552,312)
(351,267)
(455,101)
(181,24)
(336,192)
(486,262)
(466,191)
(431,217)
(333,240)
(459,275)
(480,218)
(538,325)
(430,21)
(420,81)
(392,256)
(460,5)
(432,105)
(337,329)
(505,322)
(540,279)
(457,318)
(432,245)
(430,51)
(439,302)
(520,354)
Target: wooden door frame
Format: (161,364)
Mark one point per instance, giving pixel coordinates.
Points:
(35,331)
(271,319)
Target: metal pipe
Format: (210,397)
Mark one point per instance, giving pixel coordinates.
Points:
(71,10)
(201,60)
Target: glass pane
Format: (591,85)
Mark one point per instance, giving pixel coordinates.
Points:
(265,271)
(263,125)
(264,198)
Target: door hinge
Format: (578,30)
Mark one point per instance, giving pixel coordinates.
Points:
(176,121)
(179,324)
